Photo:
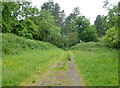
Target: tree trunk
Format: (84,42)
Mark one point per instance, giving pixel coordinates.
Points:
(68,40)
(63,39)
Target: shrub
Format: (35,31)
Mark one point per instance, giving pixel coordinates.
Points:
(111,37)
(89,34)
(12,44)
(6,27)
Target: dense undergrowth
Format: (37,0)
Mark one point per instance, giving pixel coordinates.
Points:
(13,44)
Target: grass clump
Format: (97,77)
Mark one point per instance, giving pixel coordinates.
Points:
(69,57)
(98,66)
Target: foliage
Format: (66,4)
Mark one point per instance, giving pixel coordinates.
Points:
(111,19)
(25,28)
(12,44)
(6,28)
(81,23)
(111,37)
(31,28)
(47,30)
(18,28)
(98,62)
(50,24)
(86,33)
(6,16)
(98,24)
(24,20)
(77,29)
(69,30)
(73,38)
(54,8)
(110,23)
(89,34)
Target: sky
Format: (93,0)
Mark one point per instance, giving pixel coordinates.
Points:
(89,8)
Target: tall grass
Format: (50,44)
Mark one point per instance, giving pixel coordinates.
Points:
(24,61)
(12,44)
(97,63)
(0,60)
(27,67)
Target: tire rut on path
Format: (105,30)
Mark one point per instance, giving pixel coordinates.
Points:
(62,73)
(46,74)
(75,78)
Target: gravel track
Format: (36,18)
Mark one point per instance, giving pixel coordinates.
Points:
(61,76)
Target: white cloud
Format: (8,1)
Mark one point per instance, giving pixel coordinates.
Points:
(88,8)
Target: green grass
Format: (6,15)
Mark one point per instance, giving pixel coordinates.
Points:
(12,44)
(25,60)
(97,63)
(0,72)
(69,57)
(63,63)
(24,65)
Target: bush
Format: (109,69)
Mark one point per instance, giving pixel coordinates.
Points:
(31,28)
(111,37)
(6,28)
(89,34)
(12,44)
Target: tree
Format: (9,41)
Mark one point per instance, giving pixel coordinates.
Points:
(107,4)
(81,23)
(22,10)
(34,11)
(54,8)
(89,34)
(69,28)
(111,37)
(15,11)
(76,11)
(26,8)
(73,38)
(47,30)
(98,23)
(110,23)
(31,28)
(6,16)
(111,19)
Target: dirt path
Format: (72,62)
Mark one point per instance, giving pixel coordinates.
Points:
(75,78)
(55,64)
(42,79)
(62,73)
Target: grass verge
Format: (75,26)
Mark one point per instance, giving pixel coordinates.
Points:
(97,63)
(26,67)
(25,60)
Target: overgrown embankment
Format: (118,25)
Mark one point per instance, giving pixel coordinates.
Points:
(13,44)
(97,63)
(24,60)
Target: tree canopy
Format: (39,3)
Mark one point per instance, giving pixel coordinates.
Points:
(49,24)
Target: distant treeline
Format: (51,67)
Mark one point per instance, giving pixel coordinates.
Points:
(50,24)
